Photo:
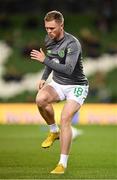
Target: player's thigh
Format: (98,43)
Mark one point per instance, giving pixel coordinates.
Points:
(69,109)
(48,93)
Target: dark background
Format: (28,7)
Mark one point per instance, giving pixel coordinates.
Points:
(73,6)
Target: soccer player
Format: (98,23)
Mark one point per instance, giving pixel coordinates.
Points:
(64,60)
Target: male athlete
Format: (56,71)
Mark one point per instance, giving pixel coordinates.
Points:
(64,60)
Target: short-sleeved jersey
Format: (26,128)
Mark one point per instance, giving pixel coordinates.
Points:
(64,58)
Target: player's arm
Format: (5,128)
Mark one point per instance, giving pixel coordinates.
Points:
(66,68)
(45,76)
(40,56)
(73,52)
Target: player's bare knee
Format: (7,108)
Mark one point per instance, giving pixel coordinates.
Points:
(66,116)
(41,101)
(65,121)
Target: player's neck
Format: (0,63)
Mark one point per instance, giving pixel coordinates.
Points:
(61,36)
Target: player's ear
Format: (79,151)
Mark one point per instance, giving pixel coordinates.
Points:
(62,25)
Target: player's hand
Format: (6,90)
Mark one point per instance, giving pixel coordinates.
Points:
(38,55)
(41,83)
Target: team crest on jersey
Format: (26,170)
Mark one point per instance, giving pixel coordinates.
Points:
(61,53)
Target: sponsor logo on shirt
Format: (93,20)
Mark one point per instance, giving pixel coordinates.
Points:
(69,50)
(49,51)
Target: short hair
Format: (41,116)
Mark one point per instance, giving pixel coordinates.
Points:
(54,15)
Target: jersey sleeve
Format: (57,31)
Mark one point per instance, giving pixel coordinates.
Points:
(46,73)
(72,56)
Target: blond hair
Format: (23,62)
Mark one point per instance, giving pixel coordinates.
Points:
(54,15)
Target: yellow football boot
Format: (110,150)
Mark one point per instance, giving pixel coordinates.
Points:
(60,169)
(50,139)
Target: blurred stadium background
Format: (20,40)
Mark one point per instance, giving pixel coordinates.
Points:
(94,22)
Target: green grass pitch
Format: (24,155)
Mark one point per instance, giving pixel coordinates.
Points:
(93,155)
